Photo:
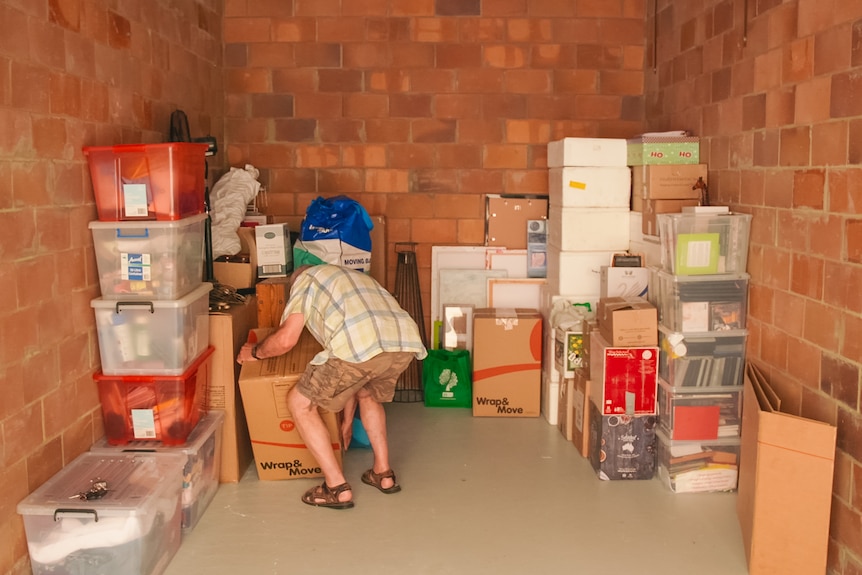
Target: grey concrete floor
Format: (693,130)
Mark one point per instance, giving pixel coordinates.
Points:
(480,495)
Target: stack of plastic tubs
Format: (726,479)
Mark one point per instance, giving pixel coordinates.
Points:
(701,293)
(152,317)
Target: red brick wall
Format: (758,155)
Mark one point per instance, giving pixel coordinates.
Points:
(74,73)
(417,108)
(778,102)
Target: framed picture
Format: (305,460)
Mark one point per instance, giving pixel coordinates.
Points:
(457,327)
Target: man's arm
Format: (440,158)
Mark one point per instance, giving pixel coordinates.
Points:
(276,343)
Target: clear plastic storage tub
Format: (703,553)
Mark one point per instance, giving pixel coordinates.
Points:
(154,407)
(711,359)
(148,181)
(699,303)
(698,466)
(202,453)
(160,337)
(699,413)
(106,515)
(149,260)
(700,244)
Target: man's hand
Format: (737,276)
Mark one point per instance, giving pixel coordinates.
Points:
(245,353)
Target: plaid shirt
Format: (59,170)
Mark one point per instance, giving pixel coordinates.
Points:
(352,316)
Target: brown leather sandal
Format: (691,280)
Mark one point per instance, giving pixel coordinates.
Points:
(329,495)
(376,480)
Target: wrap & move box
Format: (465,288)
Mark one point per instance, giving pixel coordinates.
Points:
(507,362)
(279,450)
(785,484)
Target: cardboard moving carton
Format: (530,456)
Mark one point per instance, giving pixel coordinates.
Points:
(279,450)
(507,362)
(785,484)
(626,321)
(228,331)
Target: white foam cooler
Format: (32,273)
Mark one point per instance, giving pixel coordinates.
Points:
(134,529)
(590,187)
(589,229)
(587,152)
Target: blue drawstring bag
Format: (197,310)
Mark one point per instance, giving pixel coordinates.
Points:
(335,231)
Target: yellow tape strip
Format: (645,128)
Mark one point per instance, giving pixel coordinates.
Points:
(577,185)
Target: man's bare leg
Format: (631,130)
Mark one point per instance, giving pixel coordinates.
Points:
(316,436)
(373,419)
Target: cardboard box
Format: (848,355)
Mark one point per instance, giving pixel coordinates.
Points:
(785,484)
(628,321)
(622,446)
(507,362)
(228,331)
(663,150)
(279,450)
(565,420)
(587,152)
(623,282)
(671,182)
(236,272)
(651,209)
(506,219)
(624,379)
(274,253)
(580,413)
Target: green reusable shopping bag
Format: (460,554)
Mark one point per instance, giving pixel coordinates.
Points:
(447,378)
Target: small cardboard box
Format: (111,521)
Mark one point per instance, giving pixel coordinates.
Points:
(507,362)
(624,379)
(663,150)
(580,414)
(279,450)
(671,182)
(652,208)
(785,484)
(623,282)
(236,273)
(628,321)
(622,446)
(565,421)
(228,331)
(274,253)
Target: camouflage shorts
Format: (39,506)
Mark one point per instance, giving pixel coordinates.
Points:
(331,384)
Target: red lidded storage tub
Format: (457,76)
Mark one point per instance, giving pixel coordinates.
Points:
(148,181)
(154,407)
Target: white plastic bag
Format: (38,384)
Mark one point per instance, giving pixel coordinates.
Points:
(229,199)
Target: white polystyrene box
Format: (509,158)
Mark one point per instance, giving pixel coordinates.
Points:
(576,272)
(597,152)
(590,187)
(550,399)
(133,529)
(589,229)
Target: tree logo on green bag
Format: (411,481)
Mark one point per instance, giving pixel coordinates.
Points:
(450,380)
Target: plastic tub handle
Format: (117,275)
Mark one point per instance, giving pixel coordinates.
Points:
(133,235)
(148,304)
(75,513)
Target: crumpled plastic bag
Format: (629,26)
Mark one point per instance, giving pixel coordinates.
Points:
(229,199)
